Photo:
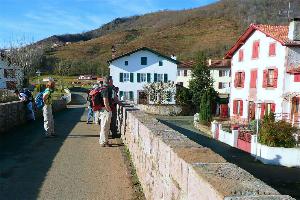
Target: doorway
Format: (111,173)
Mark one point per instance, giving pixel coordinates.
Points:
(143,98)
(251,111)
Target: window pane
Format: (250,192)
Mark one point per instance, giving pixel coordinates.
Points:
(143,60)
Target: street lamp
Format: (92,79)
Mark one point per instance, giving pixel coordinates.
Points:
(38,72)
(258,103)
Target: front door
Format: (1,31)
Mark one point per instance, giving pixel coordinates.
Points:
(251,111)
(295,109)
(143,99)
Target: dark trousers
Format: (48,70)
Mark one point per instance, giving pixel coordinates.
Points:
(113,124)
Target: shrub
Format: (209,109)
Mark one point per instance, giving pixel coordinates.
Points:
(253,125)
(183,96)
(277,134)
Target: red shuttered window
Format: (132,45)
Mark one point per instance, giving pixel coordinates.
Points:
(239,79)
(238,107)
(255,50)
(267,108)
(272,49)
(241,55)
(296,77)
(253,78)
(270,78)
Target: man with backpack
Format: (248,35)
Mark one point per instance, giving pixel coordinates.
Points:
(113,123)
(90,108)
(47,109)
(26,97)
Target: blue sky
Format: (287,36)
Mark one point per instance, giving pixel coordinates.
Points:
(32,20)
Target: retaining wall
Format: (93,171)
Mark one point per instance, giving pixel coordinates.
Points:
(170,166)
(165,110)
(13,113)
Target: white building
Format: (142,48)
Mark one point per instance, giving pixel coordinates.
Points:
(265,70)
(184,73)
(10,75)
(221,74)
(131,71)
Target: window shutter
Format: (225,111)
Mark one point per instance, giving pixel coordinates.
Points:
(241,55)
(131,95)
(234,107)
(138,77)
(148,77)
(275,77)
(243,79)
(296,77)
(273,106)
(131,77)
(265,78)
(241,108)
(262,112)
(121,77)
(220,85)
(253,79)
(272,49)
(155,77)
(255,49)
(165,78)
(236,79)
(121,94)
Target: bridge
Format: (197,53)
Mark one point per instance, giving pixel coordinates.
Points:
(74,166)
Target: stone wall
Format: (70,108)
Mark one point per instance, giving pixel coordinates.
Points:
(170,166)
(13,113)
(164,110)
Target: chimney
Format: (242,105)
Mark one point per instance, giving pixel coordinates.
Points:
(173,57)
(113,52)
(294,29)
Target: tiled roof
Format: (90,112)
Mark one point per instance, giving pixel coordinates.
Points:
(187,64)
(225,63)
(278,33)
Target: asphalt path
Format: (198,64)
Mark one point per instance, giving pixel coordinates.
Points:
(71,166)
(285,180)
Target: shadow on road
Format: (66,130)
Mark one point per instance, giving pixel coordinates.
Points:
(285,180)
(26,155)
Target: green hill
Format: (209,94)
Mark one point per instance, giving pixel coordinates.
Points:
(213,29)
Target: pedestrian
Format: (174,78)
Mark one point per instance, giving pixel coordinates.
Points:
(113,123)
(47,108)
(96,112)
(26,97)
(90,115)
(105,112)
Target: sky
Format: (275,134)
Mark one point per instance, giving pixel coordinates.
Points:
(32,20)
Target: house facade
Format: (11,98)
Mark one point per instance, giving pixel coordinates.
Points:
(266,73)
(131,71)
(10,75)
(184,73)
(220,72)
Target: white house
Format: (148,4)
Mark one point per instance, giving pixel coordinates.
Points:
(132,70)
(10,75)
(184,73)
(266,72)
(220,72)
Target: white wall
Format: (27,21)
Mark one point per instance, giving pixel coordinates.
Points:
(184,79)
(214,73)
(134,66)
(264,61)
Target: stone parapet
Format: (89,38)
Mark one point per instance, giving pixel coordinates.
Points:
(170,166)
(13,113)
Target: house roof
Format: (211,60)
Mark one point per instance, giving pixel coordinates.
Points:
(278,33)
(144,49)
(186,64)
(224,63)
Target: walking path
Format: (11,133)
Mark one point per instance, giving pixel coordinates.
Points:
(71,166)
(285,180)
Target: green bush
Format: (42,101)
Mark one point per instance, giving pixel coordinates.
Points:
(253,125)
(183,96)
(277,134)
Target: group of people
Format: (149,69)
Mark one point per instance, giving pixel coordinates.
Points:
(102,107)
(26,97)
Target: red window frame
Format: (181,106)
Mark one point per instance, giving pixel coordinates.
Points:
(272,49)
(241,55)
(255,49)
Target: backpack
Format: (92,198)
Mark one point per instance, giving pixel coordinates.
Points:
(39,101)
(97,98)
(28,94)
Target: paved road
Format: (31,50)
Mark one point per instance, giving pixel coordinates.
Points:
(72,166)
(285,180)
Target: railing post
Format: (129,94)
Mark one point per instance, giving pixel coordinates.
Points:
(214,125)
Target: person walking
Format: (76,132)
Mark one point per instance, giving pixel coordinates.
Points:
(105,112)
(26,97)
(47,109)
(90,115)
